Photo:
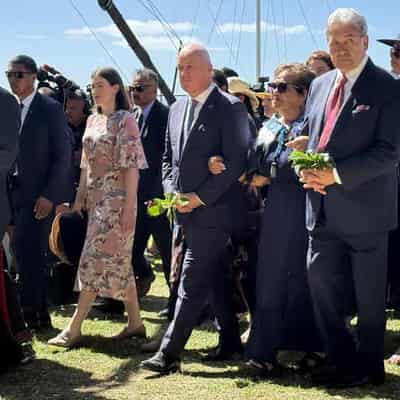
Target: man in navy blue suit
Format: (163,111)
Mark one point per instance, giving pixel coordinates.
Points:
(41,180)
(353,114)
(205,123)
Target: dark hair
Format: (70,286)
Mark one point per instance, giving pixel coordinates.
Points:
(28,62)
(302,75)
(147,74)
(113,78)
(322,56)
(229,72)
(219,78)
(247,104)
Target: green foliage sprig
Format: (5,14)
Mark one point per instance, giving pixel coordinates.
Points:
(310,160)
(157,206)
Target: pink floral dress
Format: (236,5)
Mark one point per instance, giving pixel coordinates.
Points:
(110,145)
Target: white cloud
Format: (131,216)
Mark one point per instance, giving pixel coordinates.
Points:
(251,28)
(144,28)
(31,37)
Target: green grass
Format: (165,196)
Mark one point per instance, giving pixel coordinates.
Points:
(102,369)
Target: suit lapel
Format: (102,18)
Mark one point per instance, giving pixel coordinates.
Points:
(28,117)
(323,102)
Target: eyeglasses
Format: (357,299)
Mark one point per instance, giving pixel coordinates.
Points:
(138,88)
(17,74)
(395,52)
(282,87)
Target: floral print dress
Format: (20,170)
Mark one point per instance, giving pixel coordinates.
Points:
(110,145)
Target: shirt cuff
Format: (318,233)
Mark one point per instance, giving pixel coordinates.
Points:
(201,201)
(337,176)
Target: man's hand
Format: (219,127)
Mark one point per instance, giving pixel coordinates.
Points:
(216,165)
(62,208)
(194,202)
(317,180)
(259,181)
(43,208)
(300,143)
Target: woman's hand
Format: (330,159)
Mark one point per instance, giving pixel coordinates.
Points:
(216,165)
(299,143)
(127,220)
(260,181)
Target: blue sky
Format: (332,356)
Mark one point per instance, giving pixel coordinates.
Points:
(53,33)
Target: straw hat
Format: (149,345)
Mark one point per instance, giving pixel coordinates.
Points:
(390,42)
(236,85)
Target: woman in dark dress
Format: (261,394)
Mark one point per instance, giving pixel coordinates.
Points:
(283,317)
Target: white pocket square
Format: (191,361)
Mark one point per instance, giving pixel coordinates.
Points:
(201,128)
(360,108)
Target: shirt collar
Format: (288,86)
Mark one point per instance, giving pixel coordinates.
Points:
(202,97)
(353,75)
(146,109)
(28,100)
(395,75)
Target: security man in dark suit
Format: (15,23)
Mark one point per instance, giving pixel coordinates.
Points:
(152,117)
(41,180)
(202,124)
(352,114)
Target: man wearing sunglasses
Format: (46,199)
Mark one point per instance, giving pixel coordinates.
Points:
(41,179)
(352,114)
(394,55)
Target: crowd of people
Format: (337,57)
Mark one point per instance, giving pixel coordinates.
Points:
(302,251)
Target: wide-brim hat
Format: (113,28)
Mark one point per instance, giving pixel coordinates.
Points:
(236,85)
(67,236)
(390,42)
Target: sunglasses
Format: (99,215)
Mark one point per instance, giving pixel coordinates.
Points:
(138,88)
(17,74)
(395,52)
(282,87)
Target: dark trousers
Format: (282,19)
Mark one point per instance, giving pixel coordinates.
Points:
(333,261)
(200,280)
(14,304)
(160,229)
(10,350)
(31,252)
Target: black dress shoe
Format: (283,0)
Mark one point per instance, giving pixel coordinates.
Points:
(143,284)
(162,364)
(221,354)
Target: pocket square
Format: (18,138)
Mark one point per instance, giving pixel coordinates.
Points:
(201,128)
(360,108)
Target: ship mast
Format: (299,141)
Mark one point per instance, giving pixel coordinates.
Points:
(258,39)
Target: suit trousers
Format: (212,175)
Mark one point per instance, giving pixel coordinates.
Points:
(160,229)
(31,251)
(333,261)
(202,278)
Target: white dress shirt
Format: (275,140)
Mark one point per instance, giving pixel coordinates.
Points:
(352,77)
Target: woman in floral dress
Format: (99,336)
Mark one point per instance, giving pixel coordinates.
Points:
(111,159)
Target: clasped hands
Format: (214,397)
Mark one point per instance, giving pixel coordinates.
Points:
(194,202)
(317,179)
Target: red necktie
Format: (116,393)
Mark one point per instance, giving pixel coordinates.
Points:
(332,112)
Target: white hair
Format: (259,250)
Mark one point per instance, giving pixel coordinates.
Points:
(194,47)
(349,16)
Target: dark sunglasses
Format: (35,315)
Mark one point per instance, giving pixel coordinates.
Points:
(138,88)
(282,87)
(17,74)
(395,52)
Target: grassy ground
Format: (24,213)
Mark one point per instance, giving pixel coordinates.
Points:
(102,369)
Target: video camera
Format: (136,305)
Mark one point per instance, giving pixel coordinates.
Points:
(61,86)
(259,87)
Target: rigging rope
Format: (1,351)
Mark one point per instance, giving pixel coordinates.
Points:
(195,19)
(98,40)
(240,33)
(215,19)
(284,31)
(233,30)
(275,31)
(308,24)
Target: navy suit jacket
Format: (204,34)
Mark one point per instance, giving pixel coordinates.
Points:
(153,141)
(365,146)
(222,128)
(10,123)
(44,159)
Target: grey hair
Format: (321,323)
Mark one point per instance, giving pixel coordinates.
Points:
(349,16)
(147,74)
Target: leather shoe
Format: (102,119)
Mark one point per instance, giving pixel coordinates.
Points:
(333,377)
(162,364)
(221,354)
(139,332)
(143,284)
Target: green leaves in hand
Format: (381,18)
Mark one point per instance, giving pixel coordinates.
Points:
(168,205)
(310,160)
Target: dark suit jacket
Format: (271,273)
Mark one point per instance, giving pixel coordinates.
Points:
(10,123)
(222,128)
(153,141)
(365,147)
(44,159)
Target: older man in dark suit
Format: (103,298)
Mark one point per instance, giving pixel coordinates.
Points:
(352,113)
(41,181)
(205,123)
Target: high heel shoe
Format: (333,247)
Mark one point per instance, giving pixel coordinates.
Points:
(139,332)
